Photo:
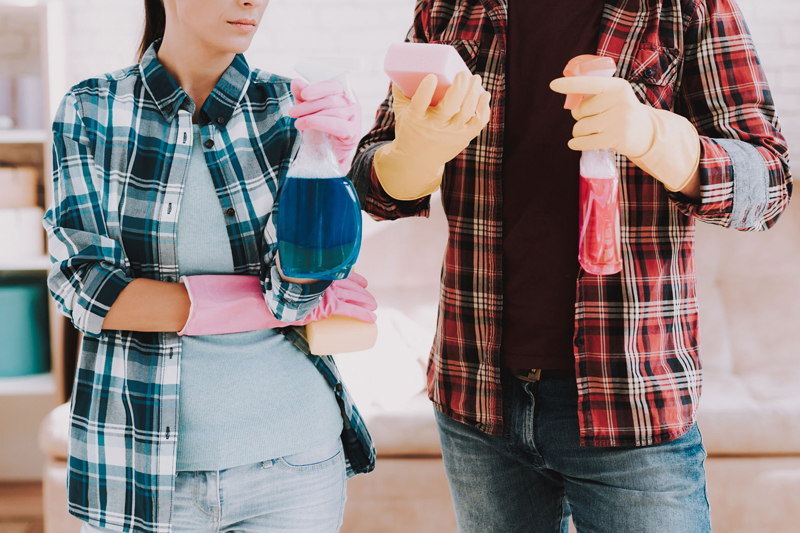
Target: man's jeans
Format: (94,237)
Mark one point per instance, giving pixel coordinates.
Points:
(530,479)
(301,492)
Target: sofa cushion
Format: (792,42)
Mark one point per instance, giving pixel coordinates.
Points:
(405,430)
(404,253)
(744,417)
(752,415)
(54,433)
(754,495)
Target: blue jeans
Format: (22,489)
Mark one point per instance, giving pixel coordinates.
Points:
(301,492)
(532,478)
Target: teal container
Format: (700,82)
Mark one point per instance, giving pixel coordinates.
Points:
(24,326)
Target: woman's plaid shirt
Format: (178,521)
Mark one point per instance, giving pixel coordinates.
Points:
(636,341)
(121,151)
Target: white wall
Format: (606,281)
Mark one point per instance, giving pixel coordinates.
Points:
(775,25)
(103,35)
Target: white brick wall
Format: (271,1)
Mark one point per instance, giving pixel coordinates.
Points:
(103,36)
(775,25)
(291,30)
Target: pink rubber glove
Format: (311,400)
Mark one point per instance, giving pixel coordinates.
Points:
(345,297)
(325,107)
(235,304)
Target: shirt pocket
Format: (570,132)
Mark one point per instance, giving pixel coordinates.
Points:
(314,459)
(654,75)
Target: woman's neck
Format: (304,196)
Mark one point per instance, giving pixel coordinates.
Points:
(195,67)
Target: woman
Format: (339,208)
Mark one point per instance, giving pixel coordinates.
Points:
(162,234)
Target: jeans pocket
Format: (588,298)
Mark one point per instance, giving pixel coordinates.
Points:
(314,459)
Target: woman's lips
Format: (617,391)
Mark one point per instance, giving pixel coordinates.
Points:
(245,26)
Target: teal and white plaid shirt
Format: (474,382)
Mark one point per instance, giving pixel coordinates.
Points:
(121,151)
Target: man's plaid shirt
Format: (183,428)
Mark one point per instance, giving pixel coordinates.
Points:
(636,340)
(122,145)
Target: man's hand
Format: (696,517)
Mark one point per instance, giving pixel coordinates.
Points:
(663,144)
(426,138)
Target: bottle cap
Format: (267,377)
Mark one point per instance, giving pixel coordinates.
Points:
(587,65)
(315,70)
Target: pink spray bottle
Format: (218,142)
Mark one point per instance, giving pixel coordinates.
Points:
(599,250)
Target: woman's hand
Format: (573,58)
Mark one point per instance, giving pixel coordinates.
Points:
(222,304)
(345,297)
(326,107)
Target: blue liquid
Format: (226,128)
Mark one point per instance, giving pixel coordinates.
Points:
(319,228)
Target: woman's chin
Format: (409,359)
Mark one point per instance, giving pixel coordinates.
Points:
(234,45)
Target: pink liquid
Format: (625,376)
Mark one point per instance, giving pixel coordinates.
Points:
(599,250)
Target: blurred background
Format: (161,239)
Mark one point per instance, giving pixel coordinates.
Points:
(748,283)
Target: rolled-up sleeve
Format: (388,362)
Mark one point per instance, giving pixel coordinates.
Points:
(291,302)
(745,180)
(88,267)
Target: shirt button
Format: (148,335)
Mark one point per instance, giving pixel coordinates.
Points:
(230,211)
(339,387)
(579,342)
(649,73)
(220,120)
(169,279)
(203,115)
(168,109)
(209,144)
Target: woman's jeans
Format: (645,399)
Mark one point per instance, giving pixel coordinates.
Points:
(532,478)
(302,492)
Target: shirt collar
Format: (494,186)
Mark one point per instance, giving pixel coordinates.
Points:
(169,96)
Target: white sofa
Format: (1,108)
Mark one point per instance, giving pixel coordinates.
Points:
(749,413)
(749,291)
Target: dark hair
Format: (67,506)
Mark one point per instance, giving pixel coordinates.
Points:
(155,20)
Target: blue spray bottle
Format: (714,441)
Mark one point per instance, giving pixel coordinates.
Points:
(319,216)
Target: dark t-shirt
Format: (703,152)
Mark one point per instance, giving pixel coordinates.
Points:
(540,182)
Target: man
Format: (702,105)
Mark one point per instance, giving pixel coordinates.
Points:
(558,391)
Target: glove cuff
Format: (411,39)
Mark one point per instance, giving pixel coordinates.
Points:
(224,304)
(192,310)
(674,157)
(401,178)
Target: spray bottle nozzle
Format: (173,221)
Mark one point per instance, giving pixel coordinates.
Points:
(587,65)
(315,70)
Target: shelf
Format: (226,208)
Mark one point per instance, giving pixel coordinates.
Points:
(24,136)
(24,264)
(35,385)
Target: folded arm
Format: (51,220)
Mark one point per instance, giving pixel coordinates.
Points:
(89,268)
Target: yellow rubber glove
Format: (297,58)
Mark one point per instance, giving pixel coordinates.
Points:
(426,138)
(663,144)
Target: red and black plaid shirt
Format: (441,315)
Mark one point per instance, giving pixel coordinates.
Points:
(636,341)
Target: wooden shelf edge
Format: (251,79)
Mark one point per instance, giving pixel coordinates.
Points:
(24,136)
(26,264)
(37,384)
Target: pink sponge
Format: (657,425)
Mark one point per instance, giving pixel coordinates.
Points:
(407,64)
